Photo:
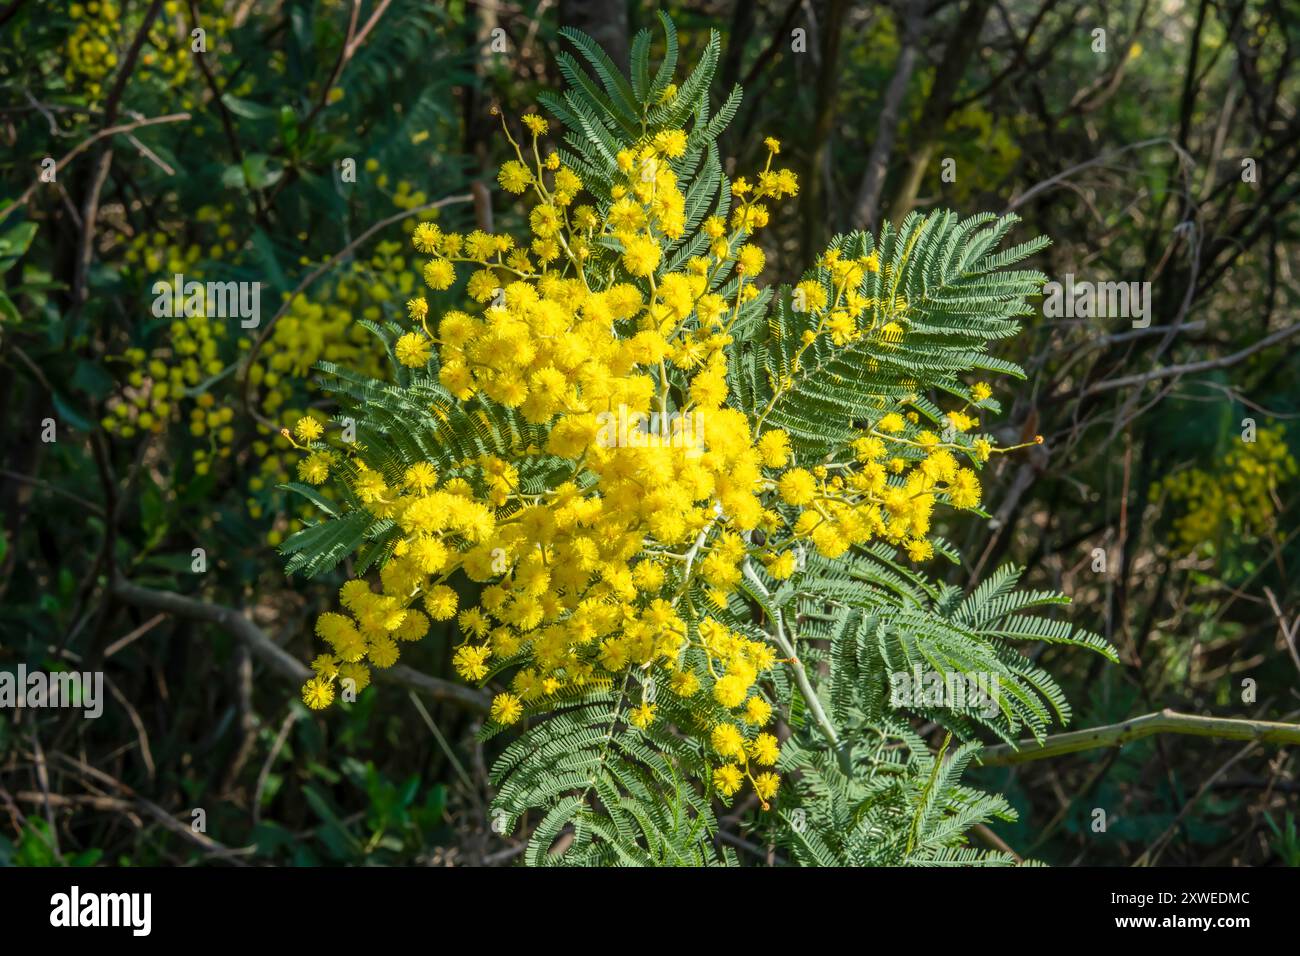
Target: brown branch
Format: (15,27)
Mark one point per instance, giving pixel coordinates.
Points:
(227,124)
(114,99)
(867,205)
(10,10)
(952,62)
(228,619)
(351,40)
(144,806)
(435,687)
(53,489)
(1104,158)
(1288,633)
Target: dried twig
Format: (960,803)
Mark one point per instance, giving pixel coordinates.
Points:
(85,145)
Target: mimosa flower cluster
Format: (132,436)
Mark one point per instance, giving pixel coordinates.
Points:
(617,571)
(1239,498)
(101,34)
(187,377)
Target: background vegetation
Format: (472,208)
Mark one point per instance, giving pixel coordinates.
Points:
(232,164)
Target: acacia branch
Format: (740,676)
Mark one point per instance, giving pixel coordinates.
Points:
(1116,735)
(800,675)
(52,489)
(1101,160)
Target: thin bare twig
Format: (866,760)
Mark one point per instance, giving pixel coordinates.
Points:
(85,145)
(1189,368)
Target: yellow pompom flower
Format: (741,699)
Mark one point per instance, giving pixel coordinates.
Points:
(383,653)
(964,492)
(757,712)
(482,286)
(325,666)
(315,468)
(426,237)
(439,274)
(642,716)
(750,260)
(671,142)
(413,350)
(774,447)
(797,487)
(420,477)
(782,566)
(641,255)
(764,749)
(730,690)
(765,785)
(684,684)
(506,709)
(961,422)
(514,177)
(353,677)
(893,422)
(470,661)
(919,549)
(441,603)
(318,693)
(307,429)
(727,779)
(809,296)
(728,741)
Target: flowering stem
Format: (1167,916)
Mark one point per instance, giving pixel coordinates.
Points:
(690,560)
(800,674)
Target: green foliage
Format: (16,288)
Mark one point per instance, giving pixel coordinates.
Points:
(947,290)
(621,789)
(881,619)
(899,805)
